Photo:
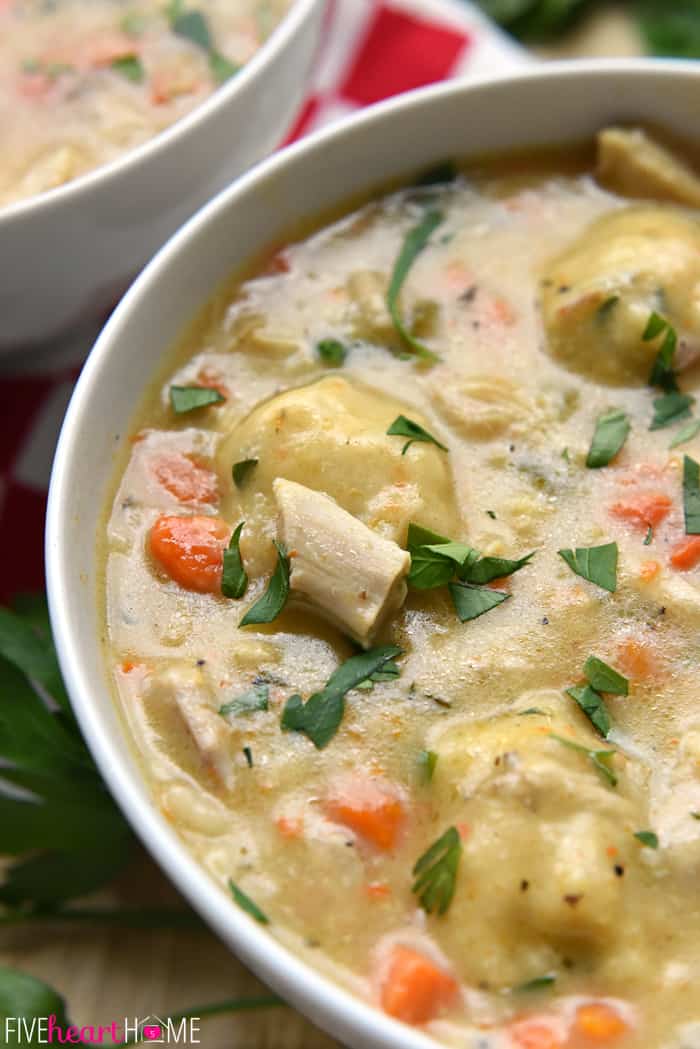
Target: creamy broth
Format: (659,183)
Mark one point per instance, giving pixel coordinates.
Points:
(81,83)
(560,907)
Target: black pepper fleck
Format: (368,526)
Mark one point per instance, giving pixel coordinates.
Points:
(619,870)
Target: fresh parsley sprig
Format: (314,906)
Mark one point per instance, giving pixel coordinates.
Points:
(435,872)
(414,243)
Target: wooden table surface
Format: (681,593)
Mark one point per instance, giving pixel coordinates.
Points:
(106,975)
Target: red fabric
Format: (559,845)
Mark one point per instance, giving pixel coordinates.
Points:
(399,53)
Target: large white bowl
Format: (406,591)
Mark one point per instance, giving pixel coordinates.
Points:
(71,252)
(554,104)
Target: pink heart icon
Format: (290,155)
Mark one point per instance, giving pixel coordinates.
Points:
(151,1033)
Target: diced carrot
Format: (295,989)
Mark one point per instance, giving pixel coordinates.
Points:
(649,570)
(504,583)
(597,1023)
(377,890)
(190,550)
(535,1034)
(35,85)
(415,989)
(187,480)
(686,554)
(289,826)
(373,810)
(647,510)
(501,312)
(464,830)
(634,659)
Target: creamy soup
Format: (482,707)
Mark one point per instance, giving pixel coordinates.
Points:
(402,592)
(81,83)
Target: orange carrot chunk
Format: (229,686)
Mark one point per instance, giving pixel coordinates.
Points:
(649,570)
(647,510)
(190,550)
(372,810)
(686,554)
(635,659)
(415,989)
(535,1034)
(187,480)
(597,1023)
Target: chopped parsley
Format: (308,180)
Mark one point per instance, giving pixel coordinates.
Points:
(435,872)
(605,678)
(686,433)
(234,580)
(427,760)
(649,536)
(192,25)
(269,606)
(189,398)
(256,698)
(320,717)
(601,678)
(129,66)
(403,427)
(473,601)
(611,430)
(691,496)
(593,706)
(648,838)
(600,759)
(597,564)
(662,373)
(539,983)
(670,409)
(414,242)
(246,904)
(332,352)
(241,470)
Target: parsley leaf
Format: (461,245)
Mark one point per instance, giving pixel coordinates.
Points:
(593,706)
(539,983)
(472,601)
(604,678)
(256,698)
(429,569)
(436,872)
(131,67)
(269,606)
(241,470)
(686,433)
(691,496)
(193,26)
(648,838)
(247,904)
(662,373)
(189,398)
(486,569)
(403,427)
(598,758)
(234,580)
(320,717)
(415,241)
(221,67)
(597,564)
(670,409)
(611,430)
(427,760)
(332,352)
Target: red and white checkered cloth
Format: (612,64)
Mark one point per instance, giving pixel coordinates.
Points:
(372,50)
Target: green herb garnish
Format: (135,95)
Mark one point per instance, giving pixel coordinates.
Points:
(320,717)
(436,872)
(192,25)
(662,373)
(415,241)
(222,68)
(129,66)
(240,471)
(234,580)
(606,308)
(246,904)
(189,398)
(539,983)
(427,760)
(649,536)
(269,606)
(648,838)
(485,569)
(670,409)
(256,698)
(691,496)
(604,678)
(332,352)
(473,601)
(389,672)
(686,433)
(403,427)
(598,758)
(593,706)
(611,430)
(597,564)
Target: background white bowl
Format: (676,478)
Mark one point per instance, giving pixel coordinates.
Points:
(555,104)
(72,251)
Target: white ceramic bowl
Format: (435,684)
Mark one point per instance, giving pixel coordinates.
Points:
(548,105)
(71,252)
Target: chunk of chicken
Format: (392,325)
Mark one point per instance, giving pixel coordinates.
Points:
(543,834)
(353,576)
(632,164)
(598,296)
(184,688)
(331,435)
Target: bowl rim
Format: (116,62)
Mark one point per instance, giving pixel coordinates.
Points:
(101,177)
(318,995)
